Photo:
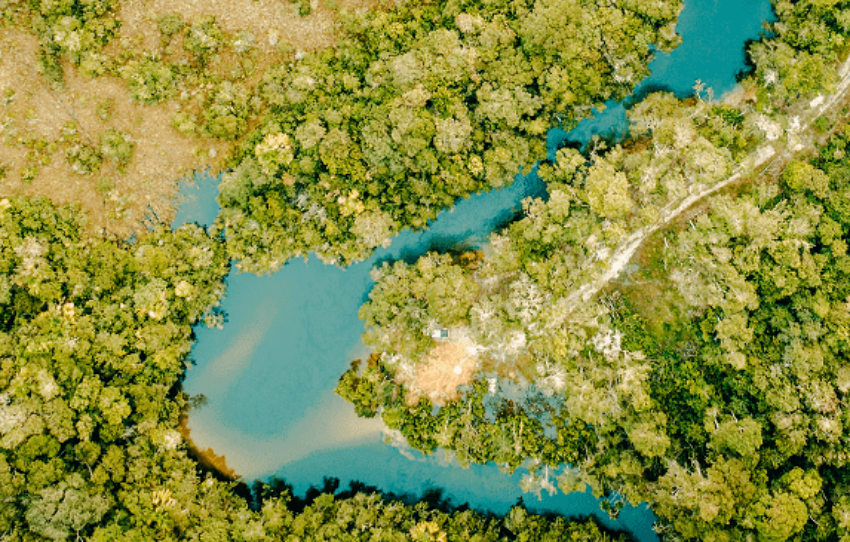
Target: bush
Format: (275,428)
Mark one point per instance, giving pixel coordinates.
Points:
(104,185)
(149,79)
(226,113)
(204,38)
(48,64)
(171,24)
(117,146)
(304,8)
(185,123)
(84,159)
(29,173)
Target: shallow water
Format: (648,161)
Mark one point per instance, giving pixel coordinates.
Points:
(269,374)
(713,34)
(289,337)
(196,201)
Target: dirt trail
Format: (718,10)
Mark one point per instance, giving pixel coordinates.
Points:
(623,254)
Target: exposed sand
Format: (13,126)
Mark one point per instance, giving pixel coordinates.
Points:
(446,367)
(332,424)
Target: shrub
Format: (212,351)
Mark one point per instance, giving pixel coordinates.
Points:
(84,159)
(149,79)
(204,38)
(117,146)
(226,113)
(171,24)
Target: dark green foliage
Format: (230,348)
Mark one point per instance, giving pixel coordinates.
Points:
(77,29)
(420,105)
(730,115)
(94,338)
(724,126)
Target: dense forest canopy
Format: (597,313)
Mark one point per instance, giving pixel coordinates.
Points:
(418,106)
(725,416)
(710,382)
(417,103)
(94,339)
(719,399)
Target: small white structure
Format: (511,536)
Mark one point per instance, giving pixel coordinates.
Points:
(440,333)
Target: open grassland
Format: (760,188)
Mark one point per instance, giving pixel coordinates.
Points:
(97,140)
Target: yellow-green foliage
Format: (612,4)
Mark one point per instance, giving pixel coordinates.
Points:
(420,105)
(94,338)
(727,418)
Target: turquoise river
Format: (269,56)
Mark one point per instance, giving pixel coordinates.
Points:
(269,374)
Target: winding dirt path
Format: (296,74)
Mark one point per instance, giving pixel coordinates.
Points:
(624,252)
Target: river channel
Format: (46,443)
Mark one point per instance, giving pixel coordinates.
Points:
(269,374)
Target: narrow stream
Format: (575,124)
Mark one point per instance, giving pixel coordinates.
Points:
(269,374)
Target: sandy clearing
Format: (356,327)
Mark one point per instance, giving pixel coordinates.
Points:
(446,367)
(272,22)
(163,156)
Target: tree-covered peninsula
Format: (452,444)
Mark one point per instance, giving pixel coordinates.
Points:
(667,325)
(94,338)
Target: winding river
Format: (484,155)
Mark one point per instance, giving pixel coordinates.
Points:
(269,374)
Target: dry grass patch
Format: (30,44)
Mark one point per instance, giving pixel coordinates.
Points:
(446,367)
(115,202)
(272,22)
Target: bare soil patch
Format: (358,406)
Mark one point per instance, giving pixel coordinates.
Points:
(119,203)
(446,367)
